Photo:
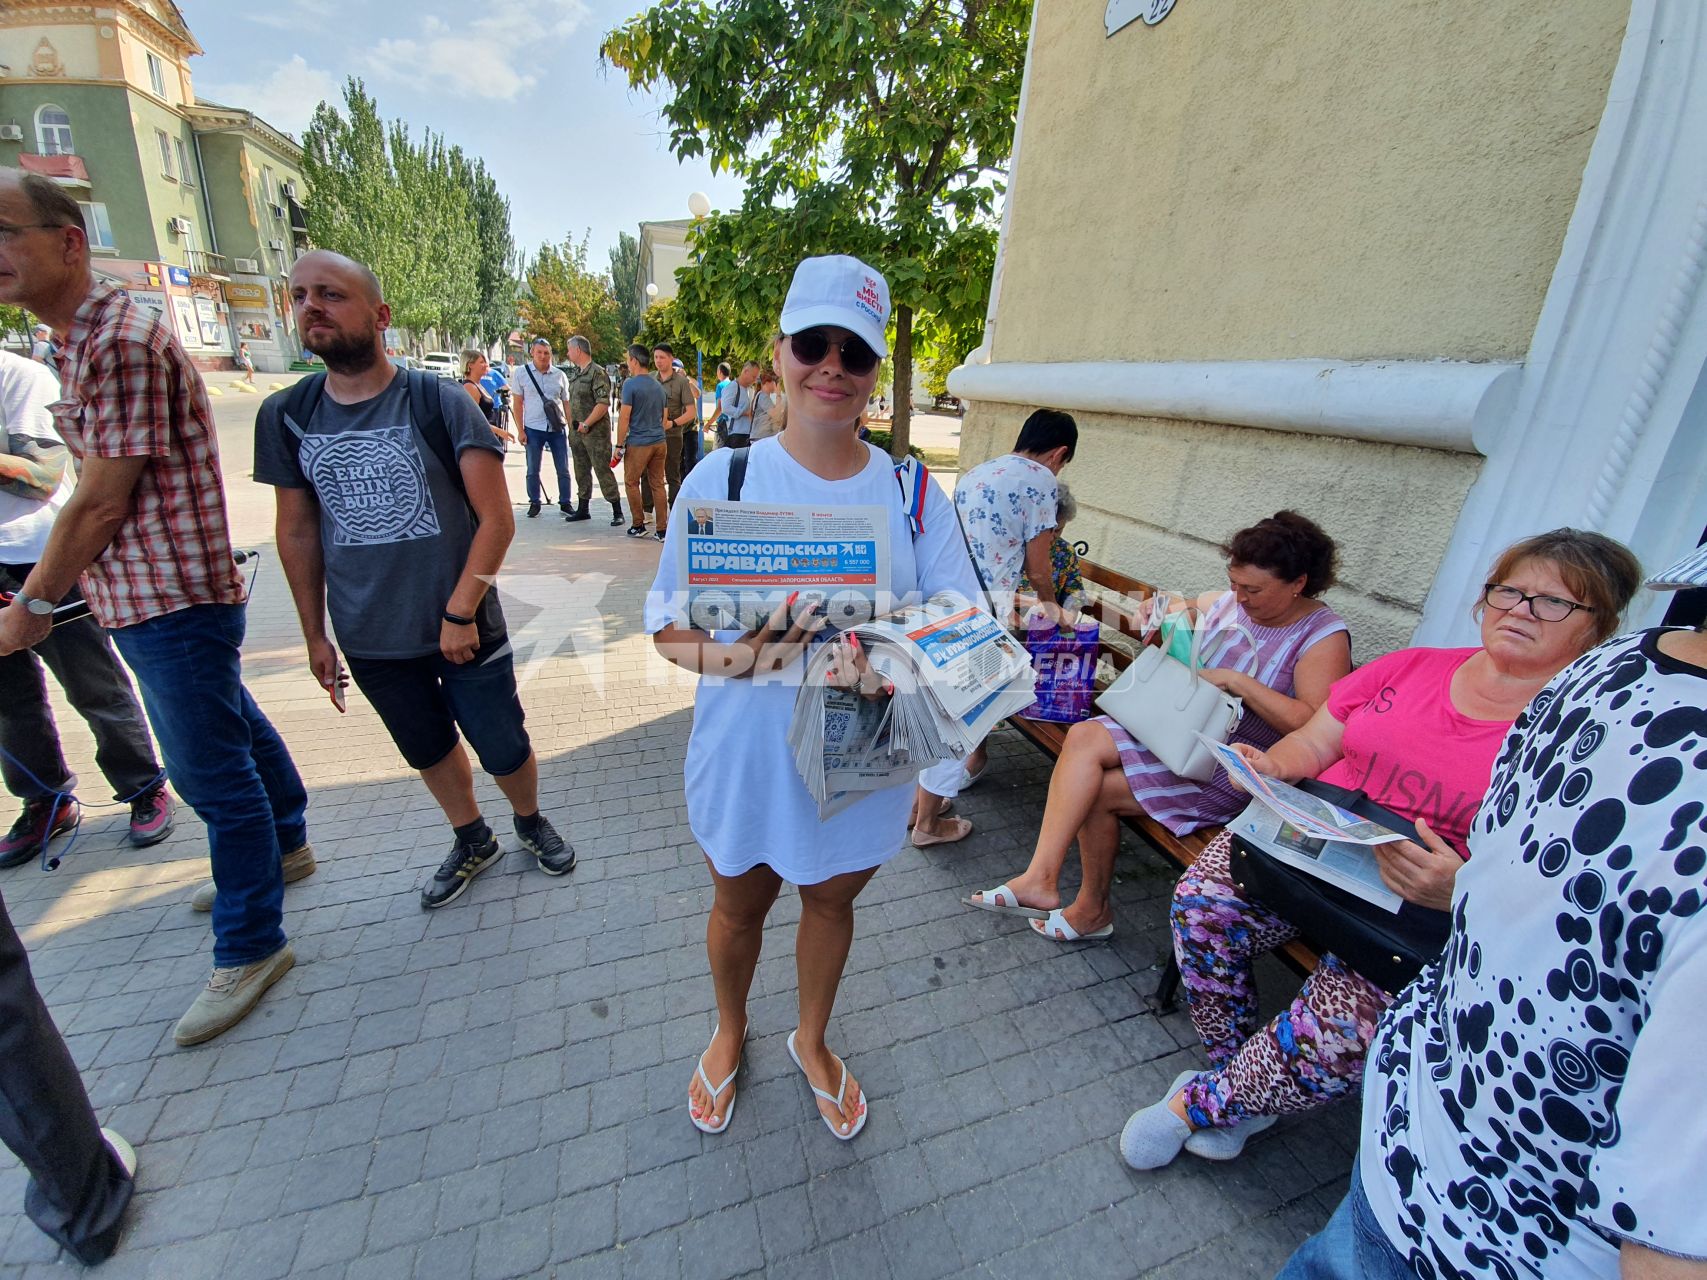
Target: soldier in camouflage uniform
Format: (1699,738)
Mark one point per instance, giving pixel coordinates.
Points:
(680,409)
(589,430)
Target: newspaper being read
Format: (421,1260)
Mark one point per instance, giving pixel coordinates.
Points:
(1307,832)
(956,674)
(740,560)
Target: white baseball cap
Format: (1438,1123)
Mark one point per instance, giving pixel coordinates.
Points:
(841,291)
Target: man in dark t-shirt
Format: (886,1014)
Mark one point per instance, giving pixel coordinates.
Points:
(375,527)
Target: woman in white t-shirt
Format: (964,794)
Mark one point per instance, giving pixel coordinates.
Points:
(747,806)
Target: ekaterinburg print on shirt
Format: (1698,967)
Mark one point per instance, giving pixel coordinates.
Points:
(372,484)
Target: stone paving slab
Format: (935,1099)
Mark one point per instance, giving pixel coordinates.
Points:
(498,1089)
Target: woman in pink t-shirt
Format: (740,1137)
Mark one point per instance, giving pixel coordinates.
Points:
(1418,731)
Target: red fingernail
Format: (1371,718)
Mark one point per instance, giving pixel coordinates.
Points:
(789,603)
(889,688)
(853,640)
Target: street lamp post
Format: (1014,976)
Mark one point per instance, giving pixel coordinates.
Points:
(699,204)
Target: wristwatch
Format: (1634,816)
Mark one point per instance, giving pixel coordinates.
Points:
(41,608)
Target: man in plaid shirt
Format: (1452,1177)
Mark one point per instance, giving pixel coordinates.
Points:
(146,530)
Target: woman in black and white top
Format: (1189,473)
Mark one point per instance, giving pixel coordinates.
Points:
(1530,1105)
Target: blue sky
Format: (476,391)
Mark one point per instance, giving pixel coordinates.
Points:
(516,82)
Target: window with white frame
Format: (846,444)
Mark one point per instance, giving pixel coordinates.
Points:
(186,170)
(157,75)
(98,225)
(168,165)
(53,132)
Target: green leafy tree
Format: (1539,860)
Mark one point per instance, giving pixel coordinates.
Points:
(14,320)
(625,282)
(495,251)
(880,129)
(561,297)
(425,216)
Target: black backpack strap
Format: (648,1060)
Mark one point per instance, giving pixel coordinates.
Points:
(737,472)
(427,412)
(300,402)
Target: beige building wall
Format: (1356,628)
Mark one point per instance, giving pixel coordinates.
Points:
(1292,179)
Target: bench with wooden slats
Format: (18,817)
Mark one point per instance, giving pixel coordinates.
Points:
(1117,602)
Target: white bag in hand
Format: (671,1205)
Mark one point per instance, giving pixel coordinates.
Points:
(1166,705)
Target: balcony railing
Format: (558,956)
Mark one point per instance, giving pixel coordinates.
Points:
(203,263)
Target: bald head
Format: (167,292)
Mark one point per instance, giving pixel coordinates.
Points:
(341,315)
(357,275)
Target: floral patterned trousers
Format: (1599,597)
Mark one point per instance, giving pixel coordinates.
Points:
(1306,1056)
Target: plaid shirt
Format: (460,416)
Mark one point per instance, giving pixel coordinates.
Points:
(130,391)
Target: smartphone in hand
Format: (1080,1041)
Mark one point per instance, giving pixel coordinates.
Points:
(336,689)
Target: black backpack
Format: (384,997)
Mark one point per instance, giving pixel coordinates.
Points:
(911,478)
(426,412)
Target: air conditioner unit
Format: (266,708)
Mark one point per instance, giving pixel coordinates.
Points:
(179,226)
(11,133)
(277,246)
(289,189)
(246,266)
(278,211)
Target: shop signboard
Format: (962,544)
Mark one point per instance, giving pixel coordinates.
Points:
(189,330)
(212,330)
(246,297)
(148,298)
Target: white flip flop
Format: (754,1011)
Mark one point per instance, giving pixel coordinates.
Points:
(1004,902)
(699,1070)
(834,1099)
(1054,926)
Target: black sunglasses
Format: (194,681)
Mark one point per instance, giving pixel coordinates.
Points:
(810,346)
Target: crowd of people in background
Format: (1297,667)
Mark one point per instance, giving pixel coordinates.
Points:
(1519,1091)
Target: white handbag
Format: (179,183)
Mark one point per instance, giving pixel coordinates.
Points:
(1165,704)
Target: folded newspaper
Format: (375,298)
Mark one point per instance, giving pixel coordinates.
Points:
(956,673)
(1307,832)
(740,560)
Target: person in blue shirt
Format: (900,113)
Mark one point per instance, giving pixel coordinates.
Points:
(497,385)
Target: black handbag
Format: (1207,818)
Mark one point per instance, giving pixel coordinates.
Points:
(1389,948)
(554,420)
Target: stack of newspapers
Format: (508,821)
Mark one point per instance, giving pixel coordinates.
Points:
(956,675)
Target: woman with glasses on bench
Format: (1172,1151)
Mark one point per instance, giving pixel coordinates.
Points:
(1417,731)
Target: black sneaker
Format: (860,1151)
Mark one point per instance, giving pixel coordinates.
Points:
(453,876)
(533,509)
(556,855)
(42,820)
(659,536)
(637,531)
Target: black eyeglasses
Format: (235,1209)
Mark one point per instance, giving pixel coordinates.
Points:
(11,231)
(810,346)
(1496,595)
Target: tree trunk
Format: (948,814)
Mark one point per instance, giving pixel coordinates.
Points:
(901,424)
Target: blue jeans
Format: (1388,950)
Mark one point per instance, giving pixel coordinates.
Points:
(1351,1247)
(558,443)
(227,762)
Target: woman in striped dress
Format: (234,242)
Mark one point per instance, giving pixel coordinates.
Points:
(1276,569)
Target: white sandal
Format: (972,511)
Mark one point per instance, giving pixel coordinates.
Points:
(1054,926)
(705,1080)
(834,1099)
(1003,901)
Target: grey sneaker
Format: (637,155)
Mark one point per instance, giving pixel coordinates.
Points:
(229,996)
(1227,1144)
(299,862)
